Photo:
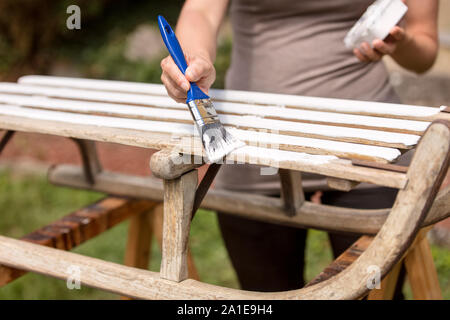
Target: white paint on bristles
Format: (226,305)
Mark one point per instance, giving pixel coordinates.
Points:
(249,97)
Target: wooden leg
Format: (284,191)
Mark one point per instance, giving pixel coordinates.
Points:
(139,242)
(89,157)
(421,272)
(137,253)
(157,225)
(179,197)
(291,190)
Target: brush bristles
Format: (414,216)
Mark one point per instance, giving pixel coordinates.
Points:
(217,141)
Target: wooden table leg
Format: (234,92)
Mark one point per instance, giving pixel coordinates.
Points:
(421,272)
(157,225)
(139,241)
(179,197)
(291,190)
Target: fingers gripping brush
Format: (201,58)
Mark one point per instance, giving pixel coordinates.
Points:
(216,141)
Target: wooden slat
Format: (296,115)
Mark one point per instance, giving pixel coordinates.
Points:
(248,205)
(343,261)
(80,226)
(262,137)
(326,165)
(285,126)
(269,112)
(313,103)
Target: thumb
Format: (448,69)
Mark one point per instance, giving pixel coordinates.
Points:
(196,70)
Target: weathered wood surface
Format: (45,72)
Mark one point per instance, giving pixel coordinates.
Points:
(343,261)
(5,139)
(341,184)
(169,164)
(248,205)
(325,165)
(157,225)
(421,271)
(138,250)
(89,157)
(179,197)
(80,226)
(426,172)
(291,191)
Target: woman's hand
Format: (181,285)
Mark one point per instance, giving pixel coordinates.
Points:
(366,53)
(200,70)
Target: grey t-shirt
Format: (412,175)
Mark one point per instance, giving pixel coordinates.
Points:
(296,47)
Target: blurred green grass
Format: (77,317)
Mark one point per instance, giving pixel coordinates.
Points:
(28,202)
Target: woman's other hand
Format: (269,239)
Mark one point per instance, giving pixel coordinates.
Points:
(379,48)
(200,70)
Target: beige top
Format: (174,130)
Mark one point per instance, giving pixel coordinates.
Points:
(296,47)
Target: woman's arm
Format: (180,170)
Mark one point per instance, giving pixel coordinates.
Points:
(413,47)
(197,29)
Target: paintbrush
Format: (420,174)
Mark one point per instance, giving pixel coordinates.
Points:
(216,141)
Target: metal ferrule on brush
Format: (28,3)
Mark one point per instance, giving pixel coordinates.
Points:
(203,112)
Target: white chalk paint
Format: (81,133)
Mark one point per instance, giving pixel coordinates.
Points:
(328,104)
(322,130)
(271,156)
(101,121)
(97,107)
(221,107)
(247,152)
(265,139)
(272,140)
(240,121)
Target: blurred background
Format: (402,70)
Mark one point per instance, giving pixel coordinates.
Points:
(119,40)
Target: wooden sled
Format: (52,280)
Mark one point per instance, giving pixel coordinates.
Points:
(347,141)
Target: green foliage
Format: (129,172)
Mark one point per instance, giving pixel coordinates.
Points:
(33,33)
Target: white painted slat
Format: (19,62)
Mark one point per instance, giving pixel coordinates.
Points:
(101,121)
(258,138)
(273,140)
(95,107)
(221,107)
(375,136)
(325,104)
(153,126)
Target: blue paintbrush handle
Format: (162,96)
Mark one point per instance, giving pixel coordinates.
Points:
(172,44)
